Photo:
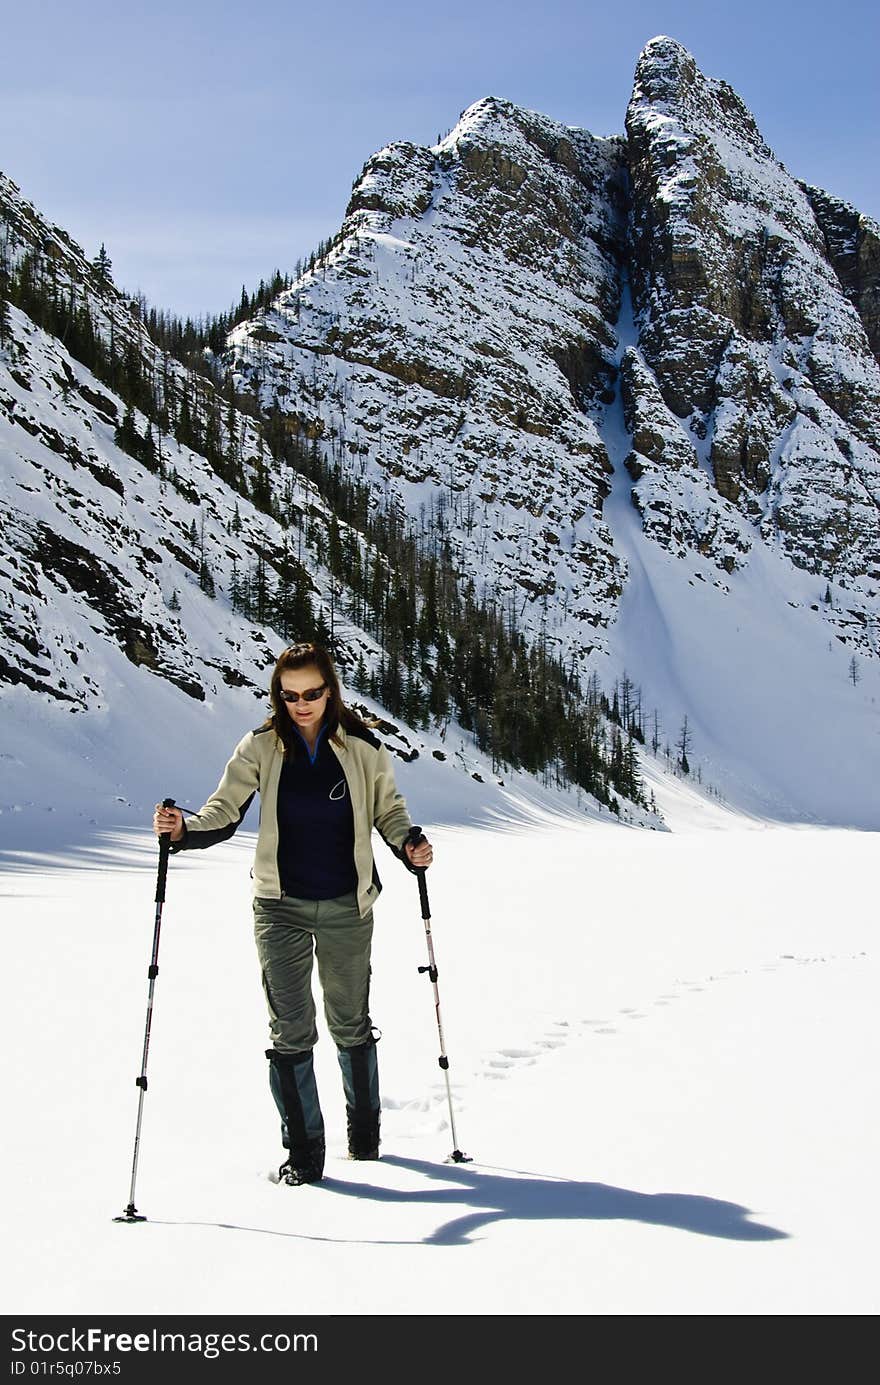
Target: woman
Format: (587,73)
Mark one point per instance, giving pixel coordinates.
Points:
(324,782)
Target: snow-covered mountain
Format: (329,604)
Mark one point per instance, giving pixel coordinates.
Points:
(460,344)
(453,344)
(628,383)
(106,615)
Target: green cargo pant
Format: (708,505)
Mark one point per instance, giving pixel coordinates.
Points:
(288,933)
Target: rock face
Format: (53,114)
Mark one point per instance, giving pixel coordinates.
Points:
(747,294)
(852,243)
(457,345)
(678,506)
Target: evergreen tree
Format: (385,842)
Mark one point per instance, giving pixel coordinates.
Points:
(103,267)
(321,629)
(291,612)
(185,430)
(149,455)
(359,678)
(5,317)
(127,436)
(261,486)
(206,578)
(235,595)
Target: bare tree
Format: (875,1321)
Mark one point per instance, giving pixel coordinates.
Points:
(683,745)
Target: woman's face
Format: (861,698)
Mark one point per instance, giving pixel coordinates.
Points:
(305,714)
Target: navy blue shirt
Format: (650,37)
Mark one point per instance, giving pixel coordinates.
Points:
(315,823)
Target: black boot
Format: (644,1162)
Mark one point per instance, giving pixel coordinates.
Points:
(304,1165)
(292,1082)
(363,1134)
(360,1078)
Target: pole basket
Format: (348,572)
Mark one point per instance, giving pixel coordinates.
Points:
(131,1214)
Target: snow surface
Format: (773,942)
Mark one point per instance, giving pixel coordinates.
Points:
(662,1046)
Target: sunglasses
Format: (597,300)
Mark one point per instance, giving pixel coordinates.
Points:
(310,694)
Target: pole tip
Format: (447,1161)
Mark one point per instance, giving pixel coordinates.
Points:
(131,1214)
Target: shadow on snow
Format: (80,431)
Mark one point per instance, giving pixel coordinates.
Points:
(529,1197)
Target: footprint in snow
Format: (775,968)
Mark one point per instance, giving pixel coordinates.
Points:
(391,1103)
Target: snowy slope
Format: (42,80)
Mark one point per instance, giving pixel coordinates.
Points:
(754,658)
(108,687)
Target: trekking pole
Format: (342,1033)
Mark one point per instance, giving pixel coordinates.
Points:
(456,1157)
(131,1213)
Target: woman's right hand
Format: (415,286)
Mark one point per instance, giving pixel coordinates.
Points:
(168,820)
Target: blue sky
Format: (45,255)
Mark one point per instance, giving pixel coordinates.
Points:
(207,143)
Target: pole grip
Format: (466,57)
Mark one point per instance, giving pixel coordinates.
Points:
(416,835)
(423,894)
(164,849)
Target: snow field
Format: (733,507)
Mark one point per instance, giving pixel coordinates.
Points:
(661,1045)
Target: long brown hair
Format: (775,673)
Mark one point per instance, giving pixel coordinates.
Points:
(336,713)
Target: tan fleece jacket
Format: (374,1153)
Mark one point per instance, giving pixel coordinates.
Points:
(255,767)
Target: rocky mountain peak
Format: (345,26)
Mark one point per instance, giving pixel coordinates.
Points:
(668,80)
(494,122)
(747,312)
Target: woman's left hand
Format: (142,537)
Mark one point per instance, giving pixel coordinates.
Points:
(421,855)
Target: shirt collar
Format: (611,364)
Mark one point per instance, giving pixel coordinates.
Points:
(312,757)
